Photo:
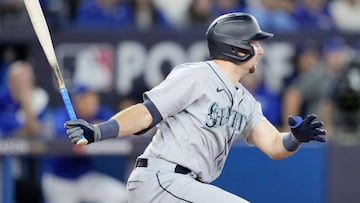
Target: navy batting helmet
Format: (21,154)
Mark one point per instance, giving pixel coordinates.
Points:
(231,33)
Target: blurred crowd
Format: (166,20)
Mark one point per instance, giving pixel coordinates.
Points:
(273,15)
(25,114)
(324,77)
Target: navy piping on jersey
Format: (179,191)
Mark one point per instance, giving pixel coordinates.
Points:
(154,113)
(172,194)
(228,92)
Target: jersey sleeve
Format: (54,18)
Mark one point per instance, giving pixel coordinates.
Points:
(254,118)
(176,92)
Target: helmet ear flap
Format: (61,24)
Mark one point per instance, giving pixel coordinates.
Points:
(235,54)
(243,52)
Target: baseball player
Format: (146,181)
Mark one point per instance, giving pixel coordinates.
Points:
(200,109)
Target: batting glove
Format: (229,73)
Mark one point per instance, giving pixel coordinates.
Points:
(76,128)
(307,129)
(92,132)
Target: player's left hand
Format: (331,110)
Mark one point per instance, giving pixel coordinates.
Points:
(307,129)
(76,128)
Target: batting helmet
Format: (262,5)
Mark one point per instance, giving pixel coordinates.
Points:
(231,33)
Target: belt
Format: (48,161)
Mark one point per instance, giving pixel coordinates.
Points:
(143,162)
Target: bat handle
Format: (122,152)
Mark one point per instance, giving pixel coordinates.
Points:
(70,110)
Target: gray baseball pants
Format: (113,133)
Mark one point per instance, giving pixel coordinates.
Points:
(157,182)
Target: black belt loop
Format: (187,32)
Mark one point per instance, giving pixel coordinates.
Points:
(141,162)
(182,169)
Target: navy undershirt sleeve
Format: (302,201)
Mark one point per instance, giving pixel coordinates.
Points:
(154,113)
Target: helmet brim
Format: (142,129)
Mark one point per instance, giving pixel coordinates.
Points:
(261,36)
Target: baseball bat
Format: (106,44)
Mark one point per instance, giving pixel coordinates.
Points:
(43,34)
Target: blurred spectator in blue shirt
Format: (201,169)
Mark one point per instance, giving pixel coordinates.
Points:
(140,14)
(228,6)
(275,15)
(58,13)
(314,14)
(72,179)
(112,13)
(23,106)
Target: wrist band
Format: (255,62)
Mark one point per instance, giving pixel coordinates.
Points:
(109,129)
(290,142)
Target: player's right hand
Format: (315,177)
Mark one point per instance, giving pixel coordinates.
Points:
(307,129)
(76,128)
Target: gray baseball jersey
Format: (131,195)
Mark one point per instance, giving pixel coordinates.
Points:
(203,113)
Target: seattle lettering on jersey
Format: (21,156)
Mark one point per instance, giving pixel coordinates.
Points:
(225,116)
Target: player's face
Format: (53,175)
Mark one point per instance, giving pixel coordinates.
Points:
(251,64)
